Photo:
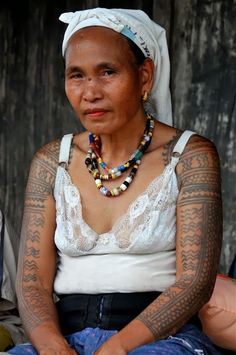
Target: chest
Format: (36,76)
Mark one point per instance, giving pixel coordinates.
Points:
(101,212)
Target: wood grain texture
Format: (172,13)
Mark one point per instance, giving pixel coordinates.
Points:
(34,110)
(204,90)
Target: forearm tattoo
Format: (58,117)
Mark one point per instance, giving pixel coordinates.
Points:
(199,235)
(33,298)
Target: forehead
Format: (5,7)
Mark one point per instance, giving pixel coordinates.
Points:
(97,40)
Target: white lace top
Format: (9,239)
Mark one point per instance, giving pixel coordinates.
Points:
(137,254)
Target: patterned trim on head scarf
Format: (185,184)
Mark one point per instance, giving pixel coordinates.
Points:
(146,34)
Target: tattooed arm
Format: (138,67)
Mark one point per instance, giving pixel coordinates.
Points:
(37,259)
(198,240)
(198,244)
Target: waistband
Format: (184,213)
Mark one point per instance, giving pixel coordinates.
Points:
(110,311)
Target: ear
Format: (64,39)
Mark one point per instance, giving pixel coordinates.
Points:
(146,75)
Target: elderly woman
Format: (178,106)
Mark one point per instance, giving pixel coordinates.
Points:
(123,221)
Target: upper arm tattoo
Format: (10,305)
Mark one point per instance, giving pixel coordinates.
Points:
(33,307)
(199,235)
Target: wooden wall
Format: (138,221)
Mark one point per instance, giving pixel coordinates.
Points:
(34,110)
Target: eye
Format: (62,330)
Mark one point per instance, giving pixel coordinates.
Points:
(76,76)
(108,72)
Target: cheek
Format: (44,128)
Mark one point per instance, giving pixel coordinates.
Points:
(72,93)
(130,97)
(67,90)
(127,91)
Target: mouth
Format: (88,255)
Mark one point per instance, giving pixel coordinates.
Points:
(94,113)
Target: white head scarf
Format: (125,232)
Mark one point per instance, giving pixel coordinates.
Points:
(146,34)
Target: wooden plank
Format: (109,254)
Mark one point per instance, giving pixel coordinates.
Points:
(204,92)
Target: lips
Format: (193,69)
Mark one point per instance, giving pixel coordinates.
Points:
(95,112)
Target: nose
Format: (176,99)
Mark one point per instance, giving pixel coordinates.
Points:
(91,90)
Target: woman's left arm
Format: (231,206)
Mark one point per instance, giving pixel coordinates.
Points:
(198,245)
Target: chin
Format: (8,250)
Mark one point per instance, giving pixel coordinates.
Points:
(99,128)
(101,131)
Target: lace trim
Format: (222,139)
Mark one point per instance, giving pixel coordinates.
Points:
(148,224)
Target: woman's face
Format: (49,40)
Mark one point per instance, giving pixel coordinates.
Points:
(103,83)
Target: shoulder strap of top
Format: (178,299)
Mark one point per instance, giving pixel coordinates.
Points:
(65,149)
(180,145)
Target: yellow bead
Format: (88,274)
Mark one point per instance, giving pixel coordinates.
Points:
(115,191)
(98,183)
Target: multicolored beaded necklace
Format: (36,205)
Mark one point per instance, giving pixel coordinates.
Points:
(93,160)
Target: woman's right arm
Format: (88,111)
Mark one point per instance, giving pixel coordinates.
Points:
(37,258)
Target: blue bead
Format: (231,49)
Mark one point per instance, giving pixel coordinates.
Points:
(103,190)
(91,139)
(121,168)
(103,165)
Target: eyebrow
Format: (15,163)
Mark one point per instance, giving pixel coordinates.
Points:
(106,65)
(72,69)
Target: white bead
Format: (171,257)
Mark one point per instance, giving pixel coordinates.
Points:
(123,187)
(112,170)
(128,179)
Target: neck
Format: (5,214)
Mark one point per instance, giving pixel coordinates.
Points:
(117,147)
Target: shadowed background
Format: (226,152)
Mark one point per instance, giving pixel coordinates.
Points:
(34,109)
